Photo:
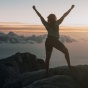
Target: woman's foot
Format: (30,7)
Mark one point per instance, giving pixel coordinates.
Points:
(70,69)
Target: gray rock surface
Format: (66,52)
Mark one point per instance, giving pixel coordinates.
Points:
(25,70)
(58,81)
(11,68)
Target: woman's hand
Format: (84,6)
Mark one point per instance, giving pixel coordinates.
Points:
(72,6)
(34,7)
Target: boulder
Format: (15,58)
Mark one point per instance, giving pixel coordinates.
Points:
(11,68)
(25,70)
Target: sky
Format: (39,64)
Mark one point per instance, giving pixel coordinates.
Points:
(21,11)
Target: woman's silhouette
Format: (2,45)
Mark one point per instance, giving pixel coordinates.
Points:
(52,26)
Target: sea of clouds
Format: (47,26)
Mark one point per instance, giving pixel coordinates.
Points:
(13,38)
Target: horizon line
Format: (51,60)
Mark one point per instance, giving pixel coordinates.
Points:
(33,24)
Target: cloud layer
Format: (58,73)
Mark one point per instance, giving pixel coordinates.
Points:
(67,39)
(11,37)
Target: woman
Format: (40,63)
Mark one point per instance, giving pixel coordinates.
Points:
(52,27)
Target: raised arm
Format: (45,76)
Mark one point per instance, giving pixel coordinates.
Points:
(65,14)
(38,13)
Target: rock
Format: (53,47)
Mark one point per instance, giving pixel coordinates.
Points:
(11,68)
(78,76)
(25,70)
(40,64)
(58,81)
(7,74)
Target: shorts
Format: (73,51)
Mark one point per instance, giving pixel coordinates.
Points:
(54,42)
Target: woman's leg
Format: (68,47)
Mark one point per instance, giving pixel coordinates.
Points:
(58,45)
(48,48)
(47,60)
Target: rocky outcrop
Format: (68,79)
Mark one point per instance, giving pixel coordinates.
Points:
(14,66)
(24,70)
